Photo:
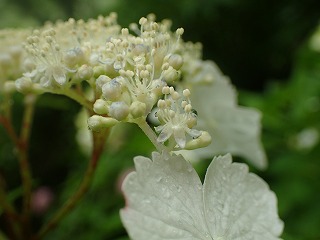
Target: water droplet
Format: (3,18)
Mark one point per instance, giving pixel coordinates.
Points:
(179,188)
(159,179)
(167,194)
(199,186)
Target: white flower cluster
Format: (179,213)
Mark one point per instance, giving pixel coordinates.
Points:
(145,64)
(126,72)
(177,118)
(66,53)
(130,73)
(12,56)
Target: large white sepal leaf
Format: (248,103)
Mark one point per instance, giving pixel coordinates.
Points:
(165,199)
(234,129)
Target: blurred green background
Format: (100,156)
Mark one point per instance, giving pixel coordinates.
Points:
(264,46)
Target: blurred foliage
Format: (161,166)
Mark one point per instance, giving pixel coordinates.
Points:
(252,41)
(290,110)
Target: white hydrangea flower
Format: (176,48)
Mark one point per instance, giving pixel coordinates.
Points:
(11,54)
(176,117)
(165,199)
(143,63)
(233,128)
(50,67)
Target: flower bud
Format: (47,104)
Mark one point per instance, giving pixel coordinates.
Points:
(101,80)
(175,61)
(24,85)
(97,123)
(9,87)
(74,56)
(98,70)
(119,110)
(202,141)
(138,109)
(112,90)
(170,75)
(100,107)
(85,72)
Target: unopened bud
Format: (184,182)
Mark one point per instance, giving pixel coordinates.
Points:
(175,61)
(85,72)
(170,75)
(100,107)
(24,85)
(97,123)
(138,109)
(101,80)
(74,56)
(119,110)
(202,141)
(112,90)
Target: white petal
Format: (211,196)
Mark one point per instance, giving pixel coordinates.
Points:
(163,200)
(193,132)
(234,130)
(220,90)
(165,134)
(45,81)
(180,137)
(59,75)
(239,205)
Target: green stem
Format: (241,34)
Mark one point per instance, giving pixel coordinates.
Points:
(151,135)
(98,146)
(23,148)
(5,122)
(73,95)
(11,216)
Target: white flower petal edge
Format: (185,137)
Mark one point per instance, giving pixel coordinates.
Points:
(234,129)
(166,200)
(238,204)
(163,200)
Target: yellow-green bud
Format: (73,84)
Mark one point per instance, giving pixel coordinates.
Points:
(202,141)
(97,123)
(100,107)
(138,109)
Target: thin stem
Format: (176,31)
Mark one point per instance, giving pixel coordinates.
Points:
(23,148)
(151,135)
(73,95)
(4,121)
(11,215)
(98,141)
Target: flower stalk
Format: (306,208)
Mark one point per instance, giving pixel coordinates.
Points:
(98,147)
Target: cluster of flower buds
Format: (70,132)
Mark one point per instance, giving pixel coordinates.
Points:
(12,57)
(146,64)
(66,53)
(127,70)
(177,117)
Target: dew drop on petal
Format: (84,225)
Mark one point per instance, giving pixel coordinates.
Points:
(159,179)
